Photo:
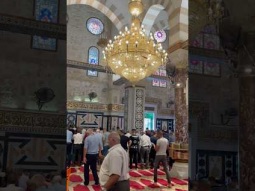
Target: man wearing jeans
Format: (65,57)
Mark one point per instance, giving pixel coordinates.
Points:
(92,148)
(161,147)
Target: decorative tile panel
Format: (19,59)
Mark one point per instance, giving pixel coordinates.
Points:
(35,152)
(89,120)
(75,105)
(139,109)
(28,119)
(218,164)
(126,109)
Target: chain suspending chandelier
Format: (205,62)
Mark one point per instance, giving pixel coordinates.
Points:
(132,54)
(215,11)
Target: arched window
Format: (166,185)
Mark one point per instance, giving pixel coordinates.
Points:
(93,58)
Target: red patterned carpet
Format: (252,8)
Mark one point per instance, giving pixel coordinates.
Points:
(139,180)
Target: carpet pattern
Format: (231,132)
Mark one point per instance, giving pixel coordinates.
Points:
(139,180)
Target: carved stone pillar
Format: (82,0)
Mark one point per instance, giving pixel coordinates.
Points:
(134,107)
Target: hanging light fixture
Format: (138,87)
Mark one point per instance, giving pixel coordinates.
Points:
(132,54)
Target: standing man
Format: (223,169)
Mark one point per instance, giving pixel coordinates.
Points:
(124,140)
(133,149)
(92,148)
(69,137)
(105,141)
(145,144)
(161,147)
(114,174)
(77,147)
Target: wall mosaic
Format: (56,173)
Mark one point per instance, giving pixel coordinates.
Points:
(29,119)
(126,109)
(218,164)
(94,120)
(89,120)
(36,152)
(139,108)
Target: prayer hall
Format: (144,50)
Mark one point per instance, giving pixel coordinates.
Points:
(152,94)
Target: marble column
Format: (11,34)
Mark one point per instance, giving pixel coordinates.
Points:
(181,106)
(134,107)
(247,117)
(247,133)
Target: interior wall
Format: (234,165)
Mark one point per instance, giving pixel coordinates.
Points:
(23,71)
(20,63)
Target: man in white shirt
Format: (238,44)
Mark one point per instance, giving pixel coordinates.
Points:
(161,147)
(105,141)
(114,172)
(145,144)
(69,138)
(78,147)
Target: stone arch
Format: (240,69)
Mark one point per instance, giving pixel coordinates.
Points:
(177,11)
(100,7)
(151,16)
(178,21)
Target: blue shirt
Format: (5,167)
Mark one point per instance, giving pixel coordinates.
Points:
(69,136)
(92,143)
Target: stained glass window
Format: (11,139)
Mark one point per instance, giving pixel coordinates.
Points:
(46,11)
(205,66)
(208,38)
(160,36)
(93,58)
(159,82)
(95,26)
(196,66)
(212,68)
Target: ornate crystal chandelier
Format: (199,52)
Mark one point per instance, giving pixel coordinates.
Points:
(132,54)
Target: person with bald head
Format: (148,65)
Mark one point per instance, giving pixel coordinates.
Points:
(92,150)
(161,147)
(114,172)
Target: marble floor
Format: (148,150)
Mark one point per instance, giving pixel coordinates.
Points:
(140,179)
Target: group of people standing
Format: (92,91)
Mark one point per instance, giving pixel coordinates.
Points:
(119,150)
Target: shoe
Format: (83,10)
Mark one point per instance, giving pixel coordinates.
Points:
(86,184)
(155,185)
(169,185)
(96,184)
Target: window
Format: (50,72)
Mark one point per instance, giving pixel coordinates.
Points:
(95,26)
(159,82)
(160,36)
(205,66)
(46,11)
(207,39)
(93,58)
